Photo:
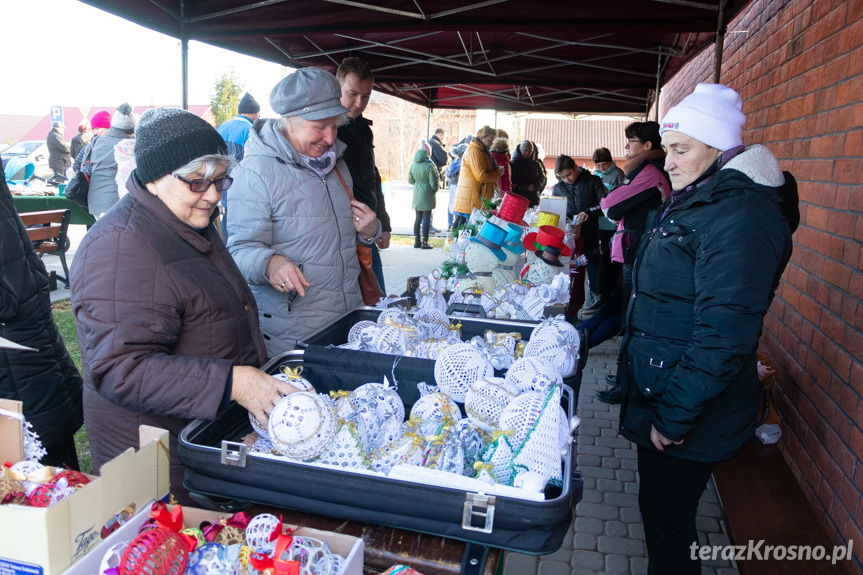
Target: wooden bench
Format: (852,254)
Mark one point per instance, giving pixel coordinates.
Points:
(762,500)
(47,231)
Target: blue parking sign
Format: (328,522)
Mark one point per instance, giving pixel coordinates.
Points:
(57,114)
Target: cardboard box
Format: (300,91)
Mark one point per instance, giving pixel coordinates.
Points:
(351,548)
(554,205)
(35,540)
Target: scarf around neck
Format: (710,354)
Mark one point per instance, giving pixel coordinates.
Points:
(322,165)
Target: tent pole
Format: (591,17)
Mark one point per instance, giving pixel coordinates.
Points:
(428,123)
(720,42)
(184,57)
(656,92)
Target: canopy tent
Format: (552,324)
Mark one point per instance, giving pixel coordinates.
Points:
(507,55)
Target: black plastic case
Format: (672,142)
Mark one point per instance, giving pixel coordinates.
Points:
(219,465)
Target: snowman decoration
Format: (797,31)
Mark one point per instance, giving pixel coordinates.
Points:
(547,247)
(483,255)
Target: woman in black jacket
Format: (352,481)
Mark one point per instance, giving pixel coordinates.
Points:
(45,381)
(704,277)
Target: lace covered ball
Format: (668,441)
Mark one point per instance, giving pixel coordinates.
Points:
(457,367)
(302,425)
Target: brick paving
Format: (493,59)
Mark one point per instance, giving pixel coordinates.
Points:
(607,535)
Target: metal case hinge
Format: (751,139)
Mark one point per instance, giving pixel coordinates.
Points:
(234,454)
(478,505)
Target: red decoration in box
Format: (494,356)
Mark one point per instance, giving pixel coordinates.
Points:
(72,477)
(41,496)
(156,551)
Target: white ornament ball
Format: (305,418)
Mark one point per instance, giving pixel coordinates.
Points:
(302,425)
(486,399)
(457,367)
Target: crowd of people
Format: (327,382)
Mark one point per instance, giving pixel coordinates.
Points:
(684,245)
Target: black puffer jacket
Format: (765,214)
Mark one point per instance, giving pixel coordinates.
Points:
(704,278)
(46,381)
(360,158)
(584,195)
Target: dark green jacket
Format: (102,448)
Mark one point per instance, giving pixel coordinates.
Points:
(423,176)
(703,280)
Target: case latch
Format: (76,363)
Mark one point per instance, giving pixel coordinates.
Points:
(234,454)
(478,505)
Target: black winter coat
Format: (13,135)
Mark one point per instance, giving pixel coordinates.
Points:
(704,278)
(46,381)
(360,158)
(583,196)
(524,172)
(59,156)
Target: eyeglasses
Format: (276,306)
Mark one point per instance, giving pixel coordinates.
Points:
(201,185)
(634,141)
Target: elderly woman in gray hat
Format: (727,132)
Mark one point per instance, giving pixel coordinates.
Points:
(294,224)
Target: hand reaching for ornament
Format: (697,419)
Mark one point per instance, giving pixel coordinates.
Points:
(257,391)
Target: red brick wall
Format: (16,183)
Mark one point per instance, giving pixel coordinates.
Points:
(799,66)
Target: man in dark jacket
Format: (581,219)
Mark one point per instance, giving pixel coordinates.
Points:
(357,81)
(59,155)
(704,278)
(583,192)
(45,381)
(528,177)
(439,155)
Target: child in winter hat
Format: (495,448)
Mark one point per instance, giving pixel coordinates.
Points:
(101,119)
(124,119)
(711,114)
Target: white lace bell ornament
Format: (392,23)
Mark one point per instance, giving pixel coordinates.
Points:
(260,530)
(302,424)
(346,451)
(556,349)
(111,558)
(535,419)
(457,367)
(496,458)
(486,400)
(533,374)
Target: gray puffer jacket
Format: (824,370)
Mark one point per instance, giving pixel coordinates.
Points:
(103,172)
(280,206)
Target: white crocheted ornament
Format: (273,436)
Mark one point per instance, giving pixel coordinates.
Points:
(486,400)
(346,451)
(554,348)
(540,272)
(535,418)
(376,405)
(264,445)
(259,427)
(407,449)
(28,469)
(435,321)
(435,406)
(558,327)
(390,340)
(533,374)
(496,459)
(430,293)
(302,425)
(457,367)
(259,532)
(214,559)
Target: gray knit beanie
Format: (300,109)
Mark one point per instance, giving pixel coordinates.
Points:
(170,138)
(248,105)
(124,119)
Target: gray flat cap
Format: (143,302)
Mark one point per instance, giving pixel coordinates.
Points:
(310,93)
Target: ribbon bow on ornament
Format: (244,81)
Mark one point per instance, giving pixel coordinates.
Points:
(172,521)
(293,373)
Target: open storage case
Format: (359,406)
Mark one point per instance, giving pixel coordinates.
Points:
(220,469)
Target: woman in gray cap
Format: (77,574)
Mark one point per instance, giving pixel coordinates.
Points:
(167,326)
(294,224)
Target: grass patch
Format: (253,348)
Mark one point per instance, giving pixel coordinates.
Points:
(65,320)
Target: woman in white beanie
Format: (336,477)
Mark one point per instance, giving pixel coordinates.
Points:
(704,277)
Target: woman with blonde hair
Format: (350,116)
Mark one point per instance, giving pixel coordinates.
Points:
(477,176)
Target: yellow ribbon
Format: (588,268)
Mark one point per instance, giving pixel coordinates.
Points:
(495,435)
(293,373)
(405,328)
(480,465)
(340,394)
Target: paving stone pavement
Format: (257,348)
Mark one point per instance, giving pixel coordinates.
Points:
(606,535)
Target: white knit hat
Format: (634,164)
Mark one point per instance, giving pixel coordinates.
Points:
(711,114)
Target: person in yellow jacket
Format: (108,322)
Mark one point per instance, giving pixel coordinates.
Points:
(477,176)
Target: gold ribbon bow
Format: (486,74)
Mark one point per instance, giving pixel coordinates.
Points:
(495,435)
(479,466)
(294,373)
